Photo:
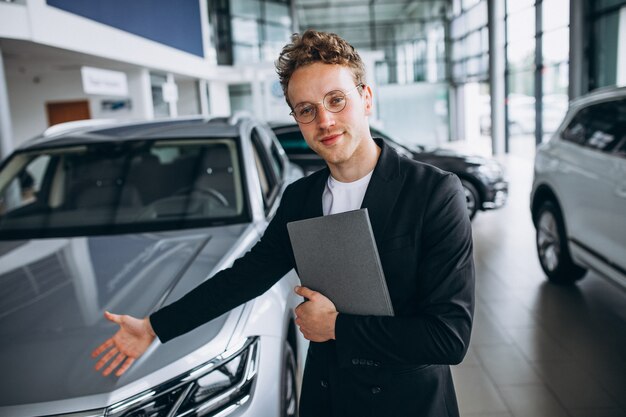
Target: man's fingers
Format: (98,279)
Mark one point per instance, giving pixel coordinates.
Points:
(115,318)
(305,292)
(125,366)
(118,359)
(97,351)
(103,361)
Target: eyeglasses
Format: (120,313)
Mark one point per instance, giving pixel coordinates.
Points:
(334,101)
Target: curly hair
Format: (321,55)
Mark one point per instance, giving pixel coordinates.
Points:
(313,46)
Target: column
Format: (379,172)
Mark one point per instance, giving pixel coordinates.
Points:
(497,56)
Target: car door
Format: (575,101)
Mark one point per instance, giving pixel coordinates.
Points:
(618,196)
(583,179)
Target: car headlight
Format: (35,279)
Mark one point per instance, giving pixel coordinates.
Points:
(211,389)
(491,171)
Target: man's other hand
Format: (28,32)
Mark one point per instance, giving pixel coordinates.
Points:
(316,317)
(130,342)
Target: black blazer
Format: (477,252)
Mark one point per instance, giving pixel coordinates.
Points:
(377,366)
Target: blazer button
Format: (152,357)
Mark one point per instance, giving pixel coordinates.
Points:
(376,390)
(324,384)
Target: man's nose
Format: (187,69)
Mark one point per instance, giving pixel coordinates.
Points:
(324,118)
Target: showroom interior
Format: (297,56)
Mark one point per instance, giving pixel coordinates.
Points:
(490,78)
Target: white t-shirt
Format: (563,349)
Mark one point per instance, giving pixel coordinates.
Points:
(339,197)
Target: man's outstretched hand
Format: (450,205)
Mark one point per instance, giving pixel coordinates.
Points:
(130,342)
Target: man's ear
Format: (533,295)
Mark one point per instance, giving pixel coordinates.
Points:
(369,99)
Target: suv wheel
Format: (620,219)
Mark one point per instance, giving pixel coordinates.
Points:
(289,395)
(471,197)
(552,248)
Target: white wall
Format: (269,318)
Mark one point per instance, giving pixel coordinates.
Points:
(28,94)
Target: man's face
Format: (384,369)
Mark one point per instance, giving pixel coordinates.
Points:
(336,137)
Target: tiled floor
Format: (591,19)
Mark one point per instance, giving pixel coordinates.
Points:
(538,350)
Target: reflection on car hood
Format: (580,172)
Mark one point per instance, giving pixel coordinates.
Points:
(450,153)
(54,293)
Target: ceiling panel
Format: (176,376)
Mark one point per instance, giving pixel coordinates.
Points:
(356,19)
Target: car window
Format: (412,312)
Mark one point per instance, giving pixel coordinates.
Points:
(277,161)
(24,186)
(268,174)
(292,141)
(124,186)
(599,127)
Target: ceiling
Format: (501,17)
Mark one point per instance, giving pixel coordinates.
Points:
(370,24)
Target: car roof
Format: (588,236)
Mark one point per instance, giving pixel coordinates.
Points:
(87,131)
(601,94)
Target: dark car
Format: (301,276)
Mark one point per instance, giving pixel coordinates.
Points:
(482,179)
(128,218)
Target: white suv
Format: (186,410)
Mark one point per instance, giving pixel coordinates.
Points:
(578,199)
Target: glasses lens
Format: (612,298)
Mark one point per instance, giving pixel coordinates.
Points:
(304,113)
(335,101)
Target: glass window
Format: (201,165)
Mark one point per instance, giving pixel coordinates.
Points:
(521,103)
(246,53)
(555,14)
(477,17)
(555,46)
(278,13)
(473,44)
(515,5)
(277,34)
(469,3)
(521,54)
(458,27)
(245,31)
(521,25)
(246,8)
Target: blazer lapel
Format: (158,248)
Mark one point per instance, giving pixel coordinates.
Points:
(383,189)
(313,204)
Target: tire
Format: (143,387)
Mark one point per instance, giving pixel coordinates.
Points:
(552,249)
(288,389)
(472,198)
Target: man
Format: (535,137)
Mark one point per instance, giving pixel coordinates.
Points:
(356,365)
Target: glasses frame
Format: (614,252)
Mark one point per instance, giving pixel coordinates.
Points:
(317,104)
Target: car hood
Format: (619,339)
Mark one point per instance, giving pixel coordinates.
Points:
(55,291)
(441,155)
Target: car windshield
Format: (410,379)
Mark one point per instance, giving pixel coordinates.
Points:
(129,186)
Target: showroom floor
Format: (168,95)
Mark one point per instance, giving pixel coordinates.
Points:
(538,350)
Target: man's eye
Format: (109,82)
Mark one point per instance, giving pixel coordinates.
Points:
(336,101)
(305,111)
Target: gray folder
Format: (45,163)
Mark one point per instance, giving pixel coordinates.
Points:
(336,255)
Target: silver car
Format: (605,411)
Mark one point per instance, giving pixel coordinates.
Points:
(128,218)
(578,200)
